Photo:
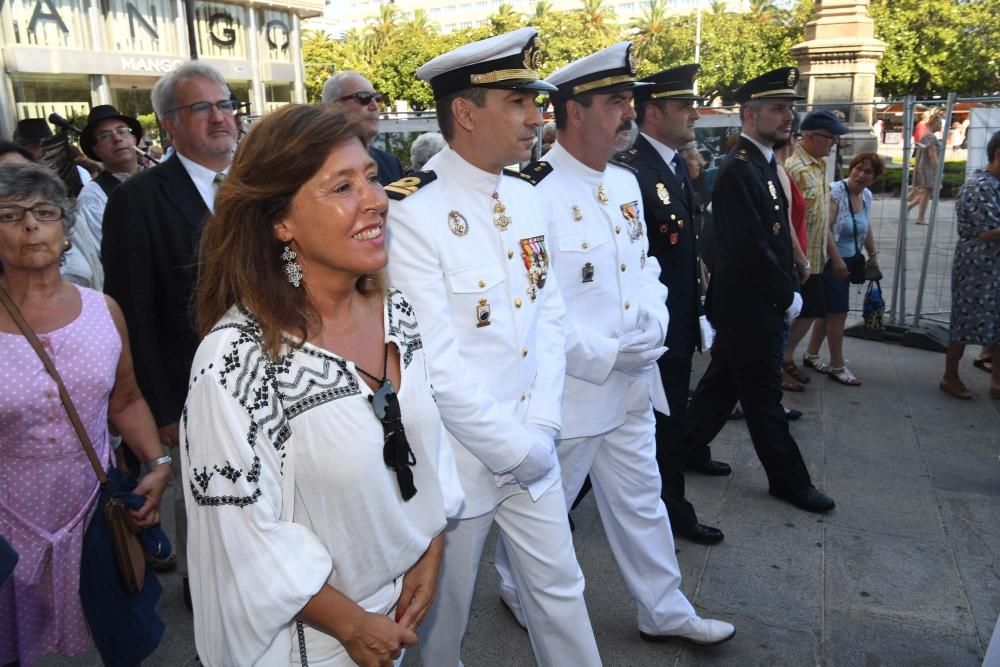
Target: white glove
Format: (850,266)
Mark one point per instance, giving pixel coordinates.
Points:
(646,337)
(540,460)
(633,362)
(793,310)
(707,333)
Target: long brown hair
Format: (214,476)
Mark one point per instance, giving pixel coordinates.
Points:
(239,256)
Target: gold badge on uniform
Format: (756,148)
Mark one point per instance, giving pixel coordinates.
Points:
(631,212)
(602,195)
(772,190)
(776,228)
(483,314)
(536,261)
(457,223)
(500,218)
(588,272)
(661,192)
(577,213)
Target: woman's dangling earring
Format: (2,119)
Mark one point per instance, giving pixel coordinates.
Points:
(66,248)
(293,270)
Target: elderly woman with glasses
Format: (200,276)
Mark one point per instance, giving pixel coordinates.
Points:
(47,484)
(319,480)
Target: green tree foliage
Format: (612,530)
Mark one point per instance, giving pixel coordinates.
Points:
(934,46)
(938,46)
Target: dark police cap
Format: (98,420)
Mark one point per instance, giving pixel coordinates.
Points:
(824,119)
(31,130)
(507,61)
(97,114)
(676,83)
(607,71)
(776,84)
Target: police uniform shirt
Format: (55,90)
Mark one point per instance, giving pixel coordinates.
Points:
(491,323)
(600,255)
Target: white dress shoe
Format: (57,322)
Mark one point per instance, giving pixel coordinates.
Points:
(701,631)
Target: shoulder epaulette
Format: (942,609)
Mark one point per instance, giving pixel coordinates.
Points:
(628,157)
(533,173)
(621,163)
(742,155)
(407,185)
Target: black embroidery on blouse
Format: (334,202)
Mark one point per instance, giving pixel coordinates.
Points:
(300,631)
(273,392)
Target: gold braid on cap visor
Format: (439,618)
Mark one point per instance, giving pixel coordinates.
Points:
(671,93)
(601,83)
(503,75)
(788,92)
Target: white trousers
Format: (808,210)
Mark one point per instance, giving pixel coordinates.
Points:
(545,569)
(626,482)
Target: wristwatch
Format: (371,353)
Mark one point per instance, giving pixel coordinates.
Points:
(160,461)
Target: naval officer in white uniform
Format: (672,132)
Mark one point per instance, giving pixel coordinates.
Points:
(470,243)
(616,324)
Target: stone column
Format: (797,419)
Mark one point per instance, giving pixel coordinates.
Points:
(837,62)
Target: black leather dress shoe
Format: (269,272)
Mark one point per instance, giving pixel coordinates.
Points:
(809,499)
(713,468)
(700,534)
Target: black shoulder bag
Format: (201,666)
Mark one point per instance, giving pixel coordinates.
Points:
(856,264)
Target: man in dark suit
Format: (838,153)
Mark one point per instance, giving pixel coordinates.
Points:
(356,97)
(666,114)
(754,289)
(151,227)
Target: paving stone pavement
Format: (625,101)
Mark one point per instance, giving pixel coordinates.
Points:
(906,570)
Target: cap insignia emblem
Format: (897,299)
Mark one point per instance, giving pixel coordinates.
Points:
(793,76)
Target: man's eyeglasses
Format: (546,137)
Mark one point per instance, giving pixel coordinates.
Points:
(108,135)
(363,97)
(11,213)
(204,109)
(830,137)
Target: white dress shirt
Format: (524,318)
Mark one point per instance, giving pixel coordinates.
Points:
(204,180)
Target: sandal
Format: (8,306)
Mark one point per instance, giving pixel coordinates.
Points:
(789,384)
(984,364)
(956,389)
(795,372)
(844,376)
(814,363)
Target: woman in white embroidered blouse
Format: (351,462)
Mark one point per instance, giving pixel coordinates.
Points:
(318,478)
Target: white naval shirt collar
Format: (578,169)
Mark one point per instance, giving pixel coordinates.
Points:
(766,151)
(562,159)
(204,179)
(448,161)
(666,152)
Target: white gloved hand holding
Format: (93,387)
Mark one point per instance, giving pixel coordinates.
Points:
(541,458)
(646,337)
(793,310)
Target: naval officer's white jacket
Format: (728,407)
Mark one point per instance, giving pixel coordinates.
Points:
(607,280)
(488,380)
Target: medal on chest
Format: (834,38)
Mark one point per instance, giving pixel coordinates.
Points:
(577,213)
(602,195)
(536,261)
(457,223)
(587,273)
(500,218)
(772,190)
(661,192)
(630,211)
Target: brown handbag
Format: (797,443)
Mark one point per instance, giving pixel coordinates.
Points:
(128,551)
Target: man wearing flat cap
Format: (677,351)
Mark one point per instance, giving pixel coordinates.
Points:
(754,291)
(807,166)
(666,111)
(469,246)
(616,321)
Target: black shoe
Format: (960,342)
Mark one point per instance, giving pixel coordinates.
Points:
(700,534)
(187,595)
(809,499)
(713,468)
(793,415)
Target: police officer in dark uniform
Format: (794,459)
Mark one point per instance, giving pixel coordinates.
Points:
(754,290)
(666,112)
